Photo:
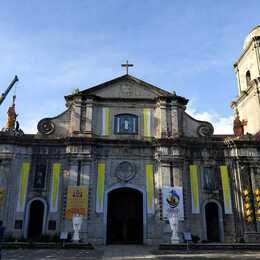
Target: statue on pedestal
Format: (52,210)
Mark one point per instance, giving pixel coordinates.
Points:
(12,125)
(77,222)
(173,217)
(238,125)
(11,117)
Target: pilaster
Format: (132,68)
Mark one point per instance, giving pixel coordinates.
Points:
(163,119)
(89,117)
(175,119)
(76,116)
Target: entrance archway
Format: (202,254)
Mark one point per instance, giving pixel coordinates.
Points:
(125,216)
(212,222)
(36,220)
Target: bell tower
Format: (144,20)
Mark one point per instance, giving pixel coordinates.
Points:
(247,68)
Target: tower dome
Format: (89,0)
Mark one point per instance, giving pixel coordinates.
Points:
(254,33)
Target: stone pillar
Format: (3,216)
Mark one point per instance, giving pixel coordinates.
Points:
(75,116)
(89,117)
(157,121)
(3,187)
(163,119)
(177,175)
(238,79)
(255,185)
(166,178)
(175,131)
(85,173)
(10,211)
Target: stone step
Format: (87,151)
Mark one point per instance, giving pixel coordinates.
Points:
(210,246)
(28,245)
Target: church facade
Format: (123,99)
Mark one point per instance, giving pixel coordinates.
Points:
(124,148)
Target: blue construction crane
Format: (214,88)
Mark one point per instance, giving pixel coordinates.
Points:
(3,96)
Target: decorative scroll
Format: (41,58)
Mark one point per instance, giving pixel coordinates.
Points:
(100,187)
(105,121)
(147,122)
(25,170)
(46,126)
(77,201)
(55,187)
(149,188)
(194,189)
(205,130)
(226,189)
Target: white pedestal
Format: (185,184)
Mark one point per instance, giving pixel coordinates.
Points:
(76,221)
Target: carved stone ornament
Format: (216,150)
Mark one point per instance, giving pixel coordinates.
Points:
(46,126)
(125,171)
(205,130)
(127,90)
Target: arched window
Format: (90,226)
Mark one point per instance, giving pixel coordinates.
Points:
(248,77)
(126,124)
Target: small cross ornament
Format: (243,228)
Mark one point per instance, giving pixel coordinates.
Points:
(127,65)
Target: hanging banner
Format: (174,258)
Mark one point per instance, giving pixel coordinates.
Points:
(100,187)
(105,121)
(173,199)
(56,167)
(226,189)
(147,122)
(194,189)
(25,170)
(2,196)
(149,188)
(77,201)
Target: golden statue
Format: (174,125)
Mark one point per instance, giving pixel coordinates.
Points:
(11,116)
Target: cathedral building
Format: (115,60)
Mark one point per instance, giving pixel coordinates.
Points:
(123,153)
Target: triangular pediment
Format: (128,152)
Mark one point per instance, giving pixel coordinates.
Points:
(126,87)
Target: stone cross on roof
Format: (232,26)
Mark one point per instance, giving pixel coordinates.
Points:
(127,65)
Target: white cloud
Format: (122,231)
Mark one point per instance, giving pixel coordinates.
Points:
(30,126)
(222,124)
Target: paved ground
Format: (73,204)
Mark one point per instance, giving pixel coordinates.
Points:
(122,252)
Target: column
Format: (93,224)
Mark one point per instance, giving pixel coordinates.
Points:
(89,117)
(163,118)
(175,119)
(75,116)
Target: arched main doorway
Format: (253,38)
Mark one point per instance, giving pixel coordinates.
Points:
(212,222)
(36,217)
(125,216)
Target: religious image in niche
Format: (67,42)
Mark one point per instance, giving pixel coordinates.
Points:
(173,199)
(39,179)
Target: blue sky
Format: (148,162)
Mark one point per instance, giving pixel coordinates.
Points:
(187,46)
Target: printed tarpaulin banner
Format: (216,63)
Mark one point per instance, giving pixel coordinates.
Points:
(147,122)
(24,175)
(77,201)
(194,189)
(105,121)
(226,189)
(100,187)
(149,188)
(172,199)
(56,167)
